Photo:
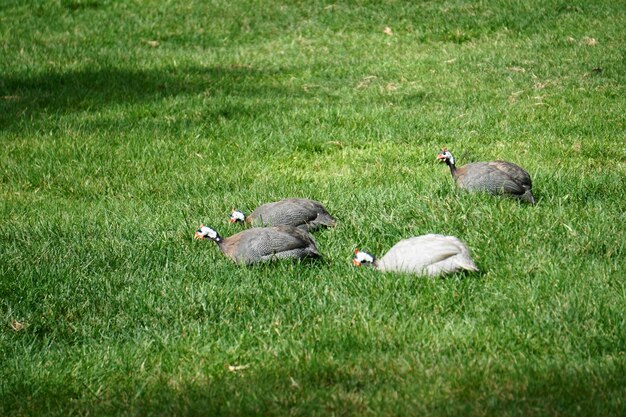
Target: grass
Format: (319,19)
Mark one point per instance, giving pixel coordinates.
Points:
(124,125)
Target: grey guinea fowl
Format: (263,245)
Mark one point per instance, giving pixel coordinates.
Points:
(298,212)
(263,244)
(495,177)
(422,255)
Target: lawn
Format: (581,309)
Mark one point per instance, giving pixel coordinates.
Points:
(126,124)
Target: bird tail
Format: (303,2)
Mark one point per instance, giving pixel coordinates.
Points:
(326,220)
(469,265)
(529,197)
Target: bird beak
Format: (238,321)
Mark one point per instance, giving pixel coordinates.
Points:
(198,236)
(356,263)
(441,157)
(232,220)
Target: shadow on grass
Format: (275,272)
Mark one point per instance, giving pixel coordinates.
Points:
(30,98)
(335,389)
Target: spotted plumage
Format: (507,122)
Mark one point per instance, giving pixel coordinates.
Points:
(264,244)
(495,177)
(298,212)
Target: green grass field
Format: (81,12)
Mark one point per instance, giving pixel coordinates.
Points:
(124,125)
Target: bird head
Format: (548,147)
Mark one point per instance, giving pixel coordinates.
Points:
(205,232)
(446,156)
(237,216)
(362,258)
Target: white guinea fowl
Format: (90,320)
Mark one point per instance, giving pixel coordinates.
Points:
(422,255)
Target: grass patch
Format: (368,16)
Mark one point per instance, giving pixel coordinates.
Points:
(124,125)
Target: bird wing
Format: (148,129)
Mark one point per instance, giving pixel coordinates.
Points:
(417,253)
(291,211)
(256,243)
(494,177)
(428,255)
(296,212)
(263,215)
(289,237)
(452,264)
(516,172)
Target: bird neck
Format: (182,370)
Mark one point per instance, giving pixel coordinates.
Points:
(452,168)
(374,263)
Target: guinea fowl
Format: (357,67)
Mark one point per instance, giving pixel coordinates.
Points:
(298,212)
(495,177)
(423,255)
(263,244)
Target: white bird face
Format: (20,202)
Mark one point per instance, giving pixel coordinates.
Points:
(237,216)
(361,258)
(206,233)
(446,156)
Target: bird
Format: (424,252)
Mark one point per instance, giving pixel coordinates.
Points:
(298,212)
(430,254)
(495,177)
(263,243)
